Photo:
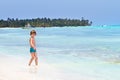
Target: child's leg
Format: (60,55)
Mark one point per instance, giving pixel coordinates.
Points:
(32,58)
(36,59)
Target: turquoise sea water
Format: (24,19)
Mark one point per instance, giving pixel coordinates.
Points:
(69,48)
(74,41)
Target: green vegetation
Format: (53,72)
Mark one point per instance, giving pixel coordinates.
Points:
(44,22)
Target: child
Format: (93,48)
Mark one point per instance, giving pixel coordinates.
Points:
(33,48)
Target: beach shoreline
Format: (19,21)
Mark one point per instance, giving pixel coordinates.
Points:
(16,68)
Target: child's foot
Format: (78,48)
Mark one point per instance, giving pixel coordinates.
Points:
(36,67)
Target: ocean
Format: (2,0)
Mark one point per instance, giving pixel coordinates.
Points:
(79,52)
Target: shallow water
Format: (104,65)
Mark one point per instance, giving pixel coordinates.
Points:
(87,51)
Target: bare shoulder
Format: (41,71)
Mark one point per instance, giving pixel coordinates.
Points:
(30,39)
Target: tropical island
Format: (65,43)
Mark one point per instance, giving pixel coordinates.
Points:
(44,22)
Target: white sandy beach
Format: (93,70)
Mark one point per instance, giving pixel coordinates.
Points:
(12,68)
(17,69)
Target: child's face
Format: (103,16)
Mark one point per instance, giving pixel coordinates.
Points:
(33,35)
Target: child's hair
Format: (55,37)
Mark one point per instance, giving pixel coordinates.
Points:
(33,32)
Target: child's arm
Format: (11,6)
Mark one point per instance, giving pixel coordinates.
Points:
(31,43)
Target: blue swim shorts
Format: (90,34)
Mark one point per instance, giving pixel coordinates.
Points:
(32,50)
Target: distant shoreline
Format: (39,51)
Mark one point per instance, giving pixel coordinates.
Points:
(43,27)
(44,22)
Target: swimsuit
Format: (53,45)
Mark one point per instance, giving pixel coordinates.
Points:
(32,50)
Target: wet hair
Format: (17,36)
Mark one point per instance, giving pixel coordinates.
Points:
(33,32)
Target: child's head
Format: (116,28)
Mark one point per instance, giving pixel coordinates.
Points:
(33,33)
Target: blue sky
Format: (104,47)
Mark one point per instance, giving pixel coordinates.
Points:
(99,11)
